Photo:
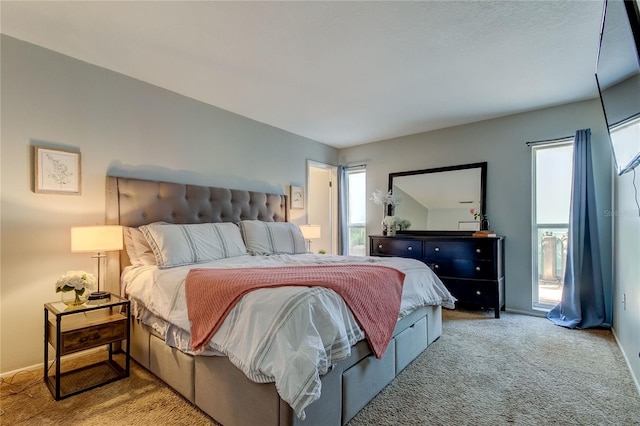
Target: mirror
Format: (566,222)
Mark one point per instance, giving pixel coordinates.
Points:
(440,199)
(618,80)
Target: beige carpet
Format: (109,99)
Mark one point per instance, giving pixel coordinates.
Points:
(515,370)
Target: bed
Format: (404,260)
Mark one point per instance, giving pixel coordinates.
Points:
(295,382)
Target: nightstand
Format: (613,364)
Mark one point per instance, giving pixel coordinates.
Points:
(71,329)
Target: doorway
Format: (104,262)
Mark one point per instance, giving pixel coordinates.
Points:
(322,205)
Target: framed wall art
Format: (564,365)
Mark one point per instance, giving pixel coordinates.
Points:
(57,171)
(297,197)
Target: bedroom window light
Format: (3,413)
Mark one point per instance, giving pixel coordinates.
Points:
(552,174)
(356,211)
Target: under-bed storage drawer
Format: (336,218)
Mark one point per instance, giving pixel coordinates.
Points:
(365,380)
(173,366)
(139,346)
(226,394)
(410,343)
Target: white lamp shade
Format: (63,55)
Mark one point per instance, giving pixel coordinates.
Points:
(310,232)
(96,238)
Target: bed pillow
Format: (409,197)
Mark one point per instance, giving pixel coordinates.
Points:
(272,237)
(178,245)
(137,247)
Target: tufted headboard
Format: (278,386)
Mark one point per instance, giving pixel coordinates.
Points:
(136,202)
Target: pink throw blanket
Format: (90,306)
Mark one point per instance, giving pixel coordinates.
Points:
(373,293)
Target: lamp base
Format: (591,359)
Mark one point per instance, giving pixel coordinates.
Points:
(98,295)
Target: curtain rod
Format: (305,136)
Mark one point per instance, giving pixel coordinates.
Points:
(546,141)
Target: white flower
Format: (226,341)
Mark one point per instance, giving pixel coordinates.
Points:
(389,221)
(380,197)
(75,280)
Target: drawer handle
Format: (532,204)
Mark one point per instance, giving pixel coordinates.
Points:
(478,292)
(437,249)
(477,268)
(478,250)
(436,266)
(94,336)
(410,248)
(380,246)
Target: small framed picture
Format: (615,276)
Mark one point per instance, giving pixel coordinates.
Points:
(56,171)
(297,197)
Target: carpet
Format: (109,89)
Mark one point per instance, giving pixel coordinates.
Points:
(518,369)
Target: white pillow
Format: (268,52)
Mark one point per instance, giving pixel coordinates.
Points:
(137,247)
(177,245)
(272,237)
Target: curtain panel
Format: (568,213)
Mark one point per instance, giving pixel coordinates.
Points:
(582,304)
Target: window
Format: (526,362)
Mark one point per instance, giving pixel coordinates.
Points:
(552,176)
(356,197)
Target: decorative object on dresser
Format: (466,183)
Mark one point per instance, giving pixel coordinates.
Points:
(388,201)
(471,268)
(484,233)
(97,239)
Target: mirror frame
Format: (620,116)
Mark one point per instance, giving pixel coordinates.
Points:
(483,193)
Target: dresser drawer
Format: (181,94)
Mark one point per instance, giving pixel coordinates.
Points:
(396,247)
(476,249)
(477,292)
(463,268)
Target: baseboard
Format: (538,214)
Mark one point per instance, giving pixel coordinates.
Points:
(533,313)
(626,359)
(38,366)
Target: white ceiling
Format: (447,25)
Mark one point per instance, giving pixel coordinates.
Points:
(341,73)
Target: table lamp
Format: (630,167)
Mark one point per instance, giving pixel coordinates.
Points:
(98,239)
(310,232)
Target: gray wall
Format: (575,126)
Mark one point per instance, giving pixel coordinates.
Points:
(122,126)
(626,249)
(622,102)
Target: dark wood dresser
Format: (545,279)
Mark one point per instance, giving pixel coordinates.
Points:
(471,268)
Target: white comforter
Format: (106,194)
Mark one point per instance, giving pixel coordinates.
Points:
(287,335)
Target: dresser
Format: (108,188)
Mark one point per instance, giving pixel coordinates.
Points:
(471,268)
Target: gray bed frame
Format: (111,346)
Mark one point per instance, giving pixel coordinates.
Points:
(211,382)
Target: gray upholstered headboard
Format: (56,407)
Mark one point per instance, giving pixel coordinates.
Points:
(136,202)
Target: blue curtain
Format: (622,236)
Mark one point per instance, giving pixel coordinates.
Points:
(343,232)
(582,304)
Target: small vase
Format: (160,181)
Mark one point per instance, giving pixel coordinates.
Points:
(72,298)
(484,224)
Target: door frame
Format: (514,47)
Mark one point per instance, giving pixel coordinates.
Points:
(332,225)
